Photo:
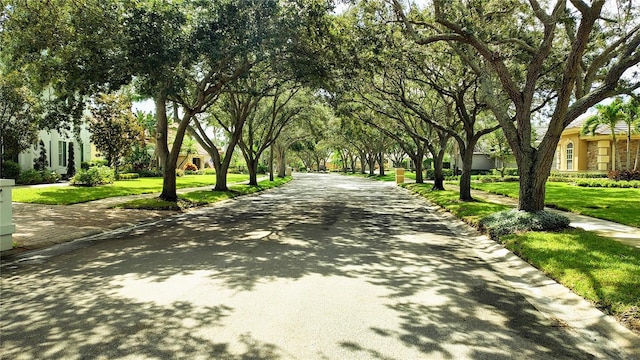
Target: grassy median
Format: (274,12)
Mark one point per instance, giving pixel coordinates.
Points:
(67,195)
(202,197)
(613,204)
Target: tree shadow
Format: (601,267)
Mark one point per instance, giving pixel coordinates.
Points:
(388,279)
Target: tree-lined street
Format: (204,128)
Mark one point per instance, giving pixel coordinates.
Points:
(307,271)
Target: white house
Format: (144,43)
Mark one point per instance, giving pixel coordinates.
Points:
(57,147)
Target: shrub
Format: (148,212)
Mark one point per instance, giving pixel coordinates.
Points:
(179,172)
(10,169)
(512,221)
(96,175)
(579,175)
(492,178)
(430,173)
(606,183)
(190,167)
(98,162)
(262,169)
(149,173)
(209,171)
(190,172)
(128,176)
(507,172)
(626,175)
(84,165)
(50,177)
(30,177)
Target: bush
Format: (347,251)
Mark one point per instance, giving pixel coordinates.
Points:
(50,177)
(512,221)
(84,165)
(30,177)
(98,162)
(606,183)
(179,173)
(96,175)
(429,175)
(262,169)
(10,169)
(493,178)
(579,175)
(149,173)
(128,176)
(190,167)
(190,172)
(209,171)
(507,172)
(626,175)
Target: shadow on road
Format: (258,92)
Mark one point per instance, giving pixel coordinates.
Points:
(386,276)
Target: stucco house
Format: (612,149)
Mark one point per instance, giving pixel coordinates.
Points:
(57,148)
(576,152)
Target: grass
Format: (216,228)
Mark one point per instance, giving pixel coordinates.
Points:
(67,195)
(202,197)
(613,204)
(470,212)
(597,268)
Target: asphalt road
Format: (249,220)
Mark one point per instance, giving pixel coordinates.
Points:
(326,267)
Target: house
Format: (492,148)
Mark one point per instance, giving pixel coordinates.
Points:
(576,152)
(57,148)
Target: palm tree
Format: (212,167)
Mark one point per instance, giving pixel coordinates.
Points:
(608,115)
(631,110)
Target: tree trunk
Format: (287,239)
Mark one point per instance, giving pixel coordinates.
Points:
(168,167)
(271,163)
(252,166)
(418,168)
(635,165)
(465,177)
(438,176)
(381,163)
(282,165)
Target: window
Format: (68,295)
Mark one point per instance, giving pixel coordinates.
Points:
(570,156)
(62,153)
(81,152)
(558,159)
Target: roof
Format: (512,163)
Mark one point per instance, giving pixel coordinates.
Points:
(621,127)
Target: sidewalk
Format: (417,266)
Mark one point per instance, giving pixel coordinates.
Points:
(39,226)
(628,235)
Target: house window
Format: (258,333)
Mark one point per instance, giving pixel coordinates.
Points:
(558,159)
(62,153)
(570,156)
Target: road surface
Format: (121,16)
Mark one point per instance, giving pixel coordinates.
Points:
(326,267)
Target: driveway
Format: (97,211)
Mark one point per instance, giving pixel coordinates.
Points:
(326,267)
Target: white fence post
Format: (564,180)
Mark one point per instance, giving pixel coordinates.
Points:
(7,228)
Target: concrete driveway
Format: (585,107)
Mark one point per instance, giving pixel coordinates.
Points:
(327,267)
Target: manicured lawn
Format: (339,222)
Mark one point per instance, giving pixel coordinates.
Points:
(66,195)
(614,204)
(203,197)
(597,268)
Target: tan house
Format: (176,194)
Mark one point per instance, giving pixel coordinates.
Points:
(576,152)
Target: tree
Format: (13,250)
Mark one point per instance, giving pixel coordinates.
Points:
(19,116)
(608,115)
(71,162)
(631,118)
(41,162)
(113,127)
(555,61)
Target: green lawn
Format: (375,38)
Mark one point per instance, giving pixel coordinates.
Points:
(66,195)
(202,197)
(614,204)
(597,268)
